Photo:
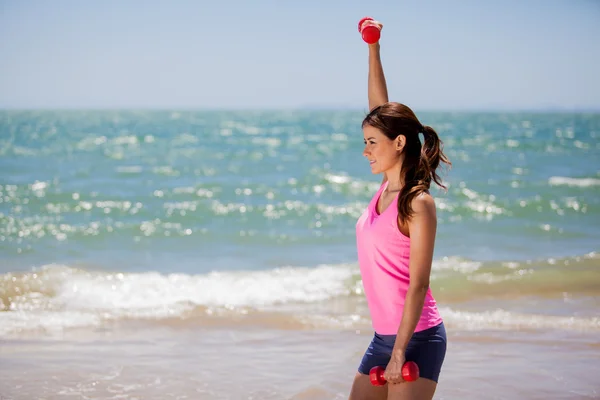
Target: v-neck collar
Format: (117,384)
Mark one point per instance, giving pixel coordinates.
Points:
(376,205)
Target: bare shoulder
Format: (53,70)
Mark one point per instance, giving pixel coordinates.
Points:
(423,204)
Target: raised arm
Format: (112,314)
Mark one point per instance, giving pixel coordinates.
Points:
(377,86)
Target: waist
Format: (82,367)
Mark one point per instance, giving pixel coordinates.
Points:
(387,308)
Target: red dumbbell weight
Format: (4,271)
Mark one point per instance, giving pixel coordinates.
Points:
(410,373)
(370,33)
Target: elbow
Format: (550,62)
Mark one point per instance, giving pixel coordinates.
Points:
(418,288)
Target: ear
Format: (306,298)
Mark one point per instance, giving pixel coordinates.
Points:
(400,141)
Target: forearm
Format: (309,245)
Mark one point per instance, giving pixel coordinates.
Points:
(377,86)
(413,307)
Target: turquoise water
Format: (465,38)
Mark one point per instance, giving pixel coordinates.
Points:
(254,208)
(202,191)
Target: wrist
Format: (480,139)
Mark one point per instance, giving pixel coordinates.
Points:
(374,46)
(398,353)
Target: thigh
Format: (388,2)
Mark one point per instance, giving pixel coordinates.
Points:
(362,389)
(428,349)
(421,389)
(378,353)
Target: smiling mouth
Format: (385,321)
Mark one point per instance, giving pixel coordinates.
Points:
(371,162)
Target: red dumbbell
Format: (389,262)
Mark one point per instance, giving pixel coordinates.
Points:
(410,373)
(370,33)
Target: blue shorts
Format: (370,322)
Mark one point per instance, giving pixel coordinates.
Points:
(426,348)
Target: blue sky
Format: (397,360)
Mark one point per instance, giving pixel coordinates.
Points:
(437,54)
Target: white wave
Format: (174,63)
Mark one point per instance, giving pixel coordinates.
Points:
(58,297)
(501,319)
(579,182)
(456,264)
(48,322)
(230,289)
(338,179)
(80,298)
(132,169)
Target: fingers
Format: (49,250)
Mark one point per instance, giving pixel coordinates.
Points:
(393,378)
(371,22)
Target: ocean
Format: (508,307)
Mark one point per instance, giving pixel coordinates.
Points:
(212,254)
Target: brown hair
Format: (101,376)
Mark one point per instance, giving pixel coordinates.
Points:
(420,161)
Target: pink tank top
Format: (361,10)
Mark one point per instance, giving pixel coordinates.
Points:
(383,256)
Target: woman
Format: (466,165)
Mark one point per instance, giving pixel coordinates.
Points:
(395,240)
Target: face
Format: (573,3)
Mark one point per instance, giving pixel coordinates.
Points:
(383,154)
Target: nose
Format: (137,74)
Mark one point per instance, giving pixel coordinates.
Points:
(366,151)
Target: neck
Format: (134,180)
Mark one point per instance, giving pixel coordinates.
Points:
(395,182)
(394,185)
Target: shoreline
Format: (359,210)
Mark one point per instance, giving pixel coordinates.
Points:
(217,363)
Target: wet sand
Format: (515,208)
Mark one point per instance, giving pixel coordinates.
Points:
(142,361)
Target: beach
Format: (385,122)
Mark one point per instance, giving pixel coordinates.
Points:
(262,362)
(211,254)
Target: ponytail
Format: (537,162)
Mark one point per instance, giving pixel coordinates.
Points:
(420,168)
(432,153)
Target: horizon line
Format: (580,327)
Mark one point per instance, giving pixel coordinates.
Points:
(542,110)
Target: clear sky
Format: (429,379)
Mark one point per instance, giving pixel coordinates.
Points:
(437,54)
